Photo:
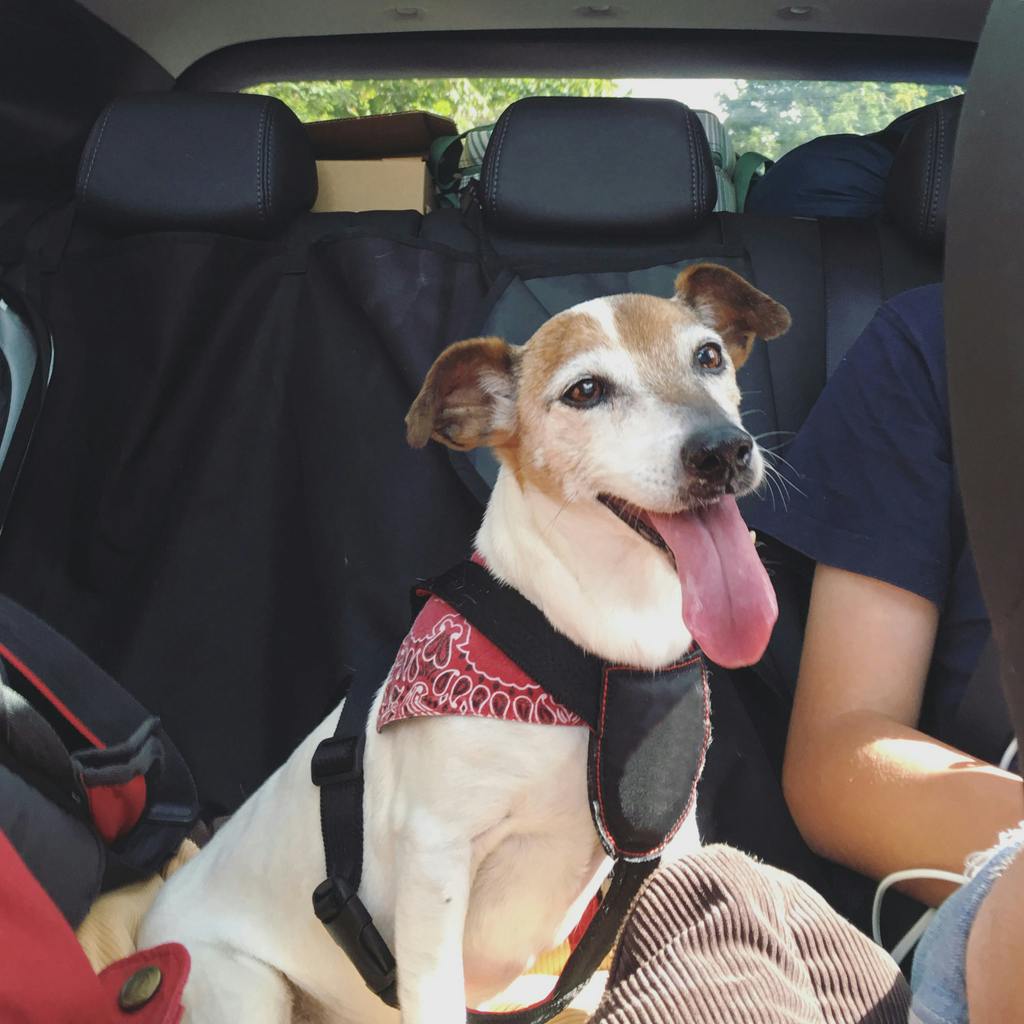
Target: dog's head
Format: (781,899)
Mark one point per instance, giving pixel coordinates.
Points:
(629,400)
(630,397)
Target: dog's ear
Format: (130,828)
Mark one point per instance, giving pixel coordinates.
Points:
(735,309)
(468,398)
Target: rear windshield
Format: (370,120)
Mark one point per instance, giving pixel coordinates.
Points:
(767,116)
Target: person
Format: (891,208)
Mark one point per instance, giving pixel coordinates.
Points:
(841,175)
(896,619)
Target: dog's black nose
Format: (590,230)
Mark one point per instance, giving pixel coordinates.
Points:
(718,455)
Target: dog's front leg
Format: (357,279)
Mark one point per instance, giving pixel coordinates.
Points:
(431,900)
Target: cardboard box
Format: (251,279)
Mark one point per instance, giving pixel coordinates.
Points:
(396,183)
(376,163)
(381,135)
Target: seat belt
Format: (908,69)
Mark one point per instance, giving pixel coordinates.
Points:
(852,272)
(982,723)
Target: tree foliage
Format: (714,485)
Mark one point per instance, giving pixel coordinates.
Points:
(468,101)
(771,117)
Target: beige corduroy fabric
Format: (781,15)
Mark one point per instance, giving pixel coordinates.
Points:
(108,932)
(719,937)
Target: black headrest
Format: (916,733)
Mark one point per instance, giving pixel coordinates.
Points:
(561,165)
(918,185)
(226,162)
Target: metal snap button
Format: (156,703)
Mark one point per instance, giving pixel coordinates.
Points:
(140,988)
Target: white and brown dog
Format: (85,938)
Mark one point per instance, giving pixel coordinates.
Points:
(618,430)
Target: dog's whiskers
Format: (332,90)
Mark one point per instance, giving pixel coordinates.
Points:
(772,469)
(766,487)
(777,482)
(773,433)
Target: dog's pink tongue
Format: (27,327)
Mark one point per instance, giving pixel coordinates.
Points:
(728,601)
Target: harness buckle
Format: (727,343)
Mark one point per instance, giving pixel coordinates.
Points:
(338,759)
(348,922)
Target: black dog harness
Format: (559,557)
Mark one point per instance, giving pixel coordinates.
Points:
(649,734)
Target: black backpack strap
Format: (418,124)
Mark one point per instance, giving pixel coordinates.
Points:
(521,631)
(140,792)
(982,724)
(337,768)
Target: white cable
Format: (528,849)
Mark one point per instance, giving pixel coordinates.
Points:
(908,941)
(1007,759)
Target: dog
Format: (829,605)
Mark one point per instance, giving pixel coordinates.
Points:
(618,431)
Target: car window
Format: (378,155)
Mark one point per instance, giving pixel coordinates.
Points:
(767,116)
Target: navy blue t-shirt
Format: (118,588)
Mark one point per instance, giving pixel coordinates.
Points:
(874,490)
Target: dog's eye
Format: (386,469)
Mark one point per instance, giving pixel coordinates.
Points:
(585,393)
(709,356)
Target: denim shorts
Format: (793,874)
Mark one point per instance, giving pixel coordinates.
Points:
(938,980)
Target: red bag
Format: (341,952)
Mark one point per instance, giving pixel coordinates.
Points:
(45,977)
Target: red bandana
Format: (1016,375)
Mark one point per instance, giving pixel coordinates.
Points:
(446,667)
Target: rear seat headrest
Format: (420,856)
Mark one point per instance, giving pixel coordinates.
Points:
(918,185)
(562,165)
(226,162)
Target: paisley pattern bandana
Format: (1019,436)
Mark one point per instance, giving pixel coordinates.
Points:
(447,667)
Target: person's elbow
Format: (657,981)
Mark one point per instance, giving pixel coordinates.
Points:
(810,758)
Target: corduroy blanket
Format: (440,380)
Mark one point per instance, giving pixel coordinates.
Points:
(720,937)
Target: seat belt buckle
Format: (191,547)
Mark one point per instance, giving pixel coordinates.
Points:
(338,759)
(348,922)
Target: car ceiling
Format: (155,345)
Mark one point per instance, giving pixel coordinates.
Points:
(177,33)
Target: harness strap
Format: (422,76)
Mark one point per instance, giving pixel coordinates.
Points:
(337,768)
(572,676)
(575,679)
(594,945)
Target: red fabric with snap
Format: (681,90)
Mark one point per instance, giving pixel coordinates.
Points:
(46,978)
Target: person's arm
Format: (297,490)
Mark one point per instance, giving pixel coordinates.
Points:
(865,787)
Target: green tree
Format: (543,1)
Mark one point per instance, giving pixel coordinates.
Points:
(468,101)
(772,117)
